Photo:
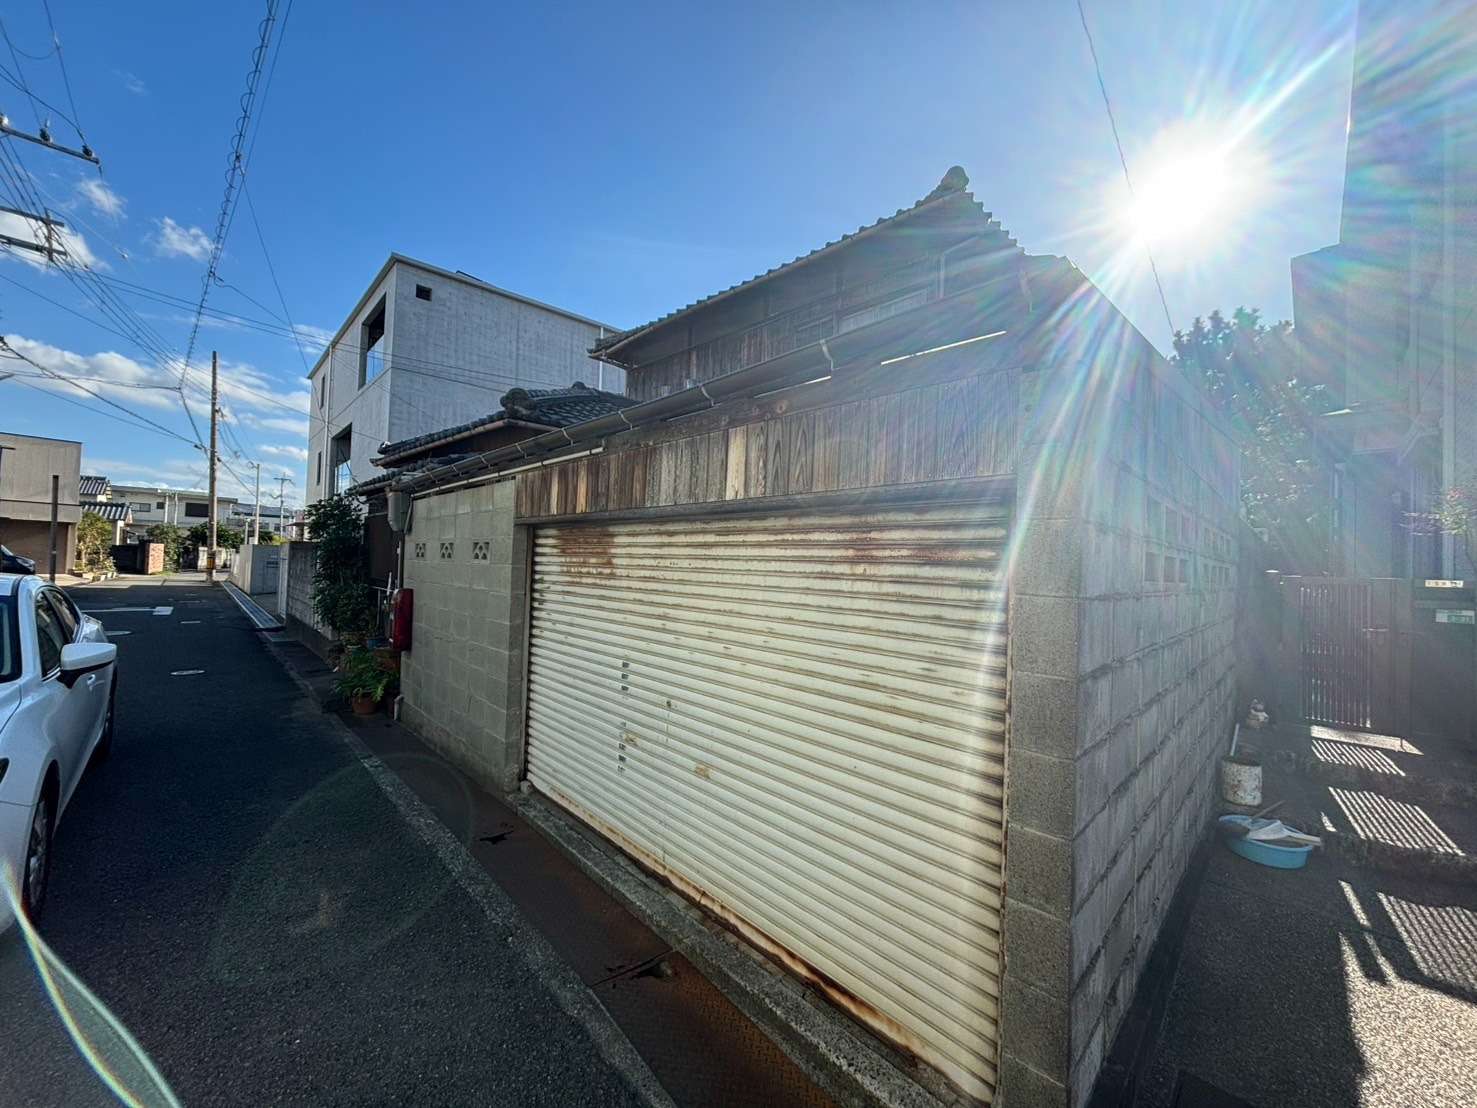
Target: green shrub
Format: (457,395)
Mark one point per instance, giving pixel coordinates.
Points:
(342,595)
(94,544)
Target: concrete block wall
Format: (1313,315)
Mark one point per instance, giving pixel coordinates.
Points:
(462,677)
(1122,697)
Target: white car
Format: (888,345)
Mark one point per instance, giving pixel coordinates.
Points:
(57,680)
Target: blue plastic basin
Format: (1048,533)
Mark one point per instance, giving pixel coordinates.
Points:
(1266,854)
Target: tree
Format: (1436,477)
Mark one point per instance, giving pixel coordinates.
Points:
(1249,372)
(1453,513)
(94,544)
(172,538)
(342,596)
(226,538)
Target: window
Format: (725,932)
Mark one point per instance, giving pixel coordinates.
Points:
(10,647)
(145,506)
(49,637)
(65,613)
(197,510)
(318,478)
(321,390)
(423,292)
(371,336)
(340,453)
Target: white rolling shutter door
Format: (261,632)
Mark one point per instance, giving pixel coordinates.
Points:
(801,720)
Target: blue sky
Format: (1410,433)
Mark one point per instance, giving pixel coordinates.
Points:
(622,160)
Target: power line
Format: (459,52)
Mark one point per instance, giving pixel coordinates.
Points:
(235,168)
(89,408)
(48,371)
(24,86)
(1122,160)
(56,43)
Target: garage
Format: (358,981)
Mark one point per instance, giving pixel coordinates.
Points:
(799,720)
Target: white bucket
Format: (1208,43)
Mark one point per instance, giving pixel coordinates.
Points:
(1241,784)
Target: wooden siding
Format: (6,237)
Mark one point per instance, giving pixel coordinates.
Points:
(864,292)
(929,432)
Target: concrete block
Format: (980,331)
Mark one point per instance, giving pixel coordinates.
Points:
(1034,1025)
(1043,634)
(1087,1000)
(1085,1069)
(1043,714)
(1095,634)
(1091,785)
(1046,481)
(1048,561)
(1125,691)
(1123,752)
(1041,791)
(1090,851)
(1097,561)
(1036,948)
(1038,869)
(1088,925)
(1021,1086)
(1094,708)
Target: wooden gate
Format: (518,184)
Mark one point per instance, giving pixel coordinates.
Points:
(1353,650)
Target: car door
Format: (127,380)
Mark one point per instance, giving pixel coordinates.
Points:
(66,714)
(96,689)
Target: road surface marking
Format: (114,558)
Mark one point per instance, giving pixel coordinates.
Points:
(185,621)
(115,634)
(161,610)
(184,672)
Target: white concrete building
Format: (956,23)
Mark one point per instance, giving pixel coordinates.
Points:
(426,348)
(151,504)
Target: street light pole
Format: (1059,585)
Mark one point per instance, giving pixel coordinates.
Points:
(214,408)
(256,523)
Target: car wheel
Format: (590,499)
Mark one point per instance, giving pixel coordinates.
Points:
(104,745)
(38,858)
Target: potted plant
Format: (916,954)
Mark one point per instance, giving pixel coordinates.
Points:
(365,680)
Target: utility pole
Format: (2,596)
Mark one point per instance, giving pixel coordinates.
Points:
(214,408)
(55,491)
(256,523)
(282,483)
(3,449)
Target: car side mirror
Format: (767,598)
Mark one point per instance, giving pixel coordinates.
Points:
(85,657)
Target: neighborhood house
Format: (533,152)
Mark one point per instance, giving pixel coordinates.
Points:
(891,621)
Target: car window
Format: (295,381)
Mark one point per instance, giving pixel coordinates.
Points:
(50,637)
(10,651)
(65,612)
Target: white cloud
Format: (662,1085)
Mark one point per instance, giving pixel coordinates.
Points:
(314,338)
(249,397)
(132,82)
(103,199)
(108,373)
(280,450)
(174,241)
(64,239)
(277,423)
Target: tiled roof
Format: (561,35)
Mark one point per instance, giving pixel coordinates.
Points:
(544,407)
(382,480)
(92,485)
(954,183)
(110,510)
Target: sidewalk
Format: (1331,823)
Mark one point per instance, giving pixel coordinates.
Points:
(1343,983)
(701,1048)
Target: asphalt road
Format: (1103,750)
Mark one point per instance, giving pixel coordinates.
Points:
(253,910)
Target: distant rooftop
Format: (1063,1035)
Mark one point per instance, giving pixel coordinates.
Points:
(545,408)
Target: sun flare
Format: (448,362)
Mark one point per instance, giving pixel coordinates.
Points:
(1187,193)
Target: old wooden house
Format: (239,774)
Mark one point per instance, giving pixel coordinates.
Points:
(891,624)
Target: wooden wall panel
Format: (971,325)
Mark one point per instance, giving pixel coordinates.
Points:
(936,431)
